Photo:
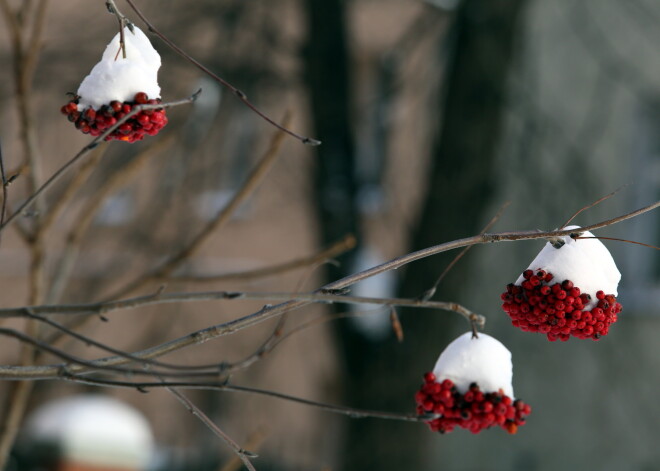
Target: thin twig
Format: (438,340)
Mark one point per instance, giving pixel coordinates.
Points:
(103,308)
(238,93)
(77,365)
(85,150)
(620,240)
(253,442)
(342,410)
(123,22)
(219,368)
(428,294)
(600,200)
(244,455)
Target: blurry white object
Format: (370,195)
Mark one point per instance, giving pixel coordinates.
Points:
(117,210)
(374,323)
(94,430)
(209,203)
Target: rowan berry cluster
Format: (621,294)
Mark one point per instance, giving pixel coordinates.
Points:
(474,410)
(558,310)
(95,122)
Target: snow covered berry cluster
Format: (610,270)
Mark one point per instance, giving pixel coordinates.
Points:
(470,387)
(569,289)
(115,86)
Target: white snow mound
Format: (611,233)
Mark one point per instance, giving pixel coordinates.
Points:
(483,360)
(119,78)
(586,262)
(94,430)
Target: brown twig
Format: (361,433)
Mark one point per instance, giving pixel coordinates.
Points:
(77,365)
(241,453)
(342,410)
(218,368)
(428,294)
(123,22)
(103,308)
(253,442)
(238,93)
(619,240)
(599,200)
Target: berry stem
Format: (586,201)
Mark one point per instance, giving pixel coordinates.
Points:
(428,294)
(600,200)
(238,93)
(123,22)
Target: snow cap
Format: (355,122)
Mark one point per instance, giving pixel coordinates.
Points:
(483,360)
(586,262)
(119,78)
(94,430)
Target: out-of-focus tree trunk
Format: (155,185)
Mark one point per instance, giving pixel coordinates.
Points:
(385,375)
(327,73)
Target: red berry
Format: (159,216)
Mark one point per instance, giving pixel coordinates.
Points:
(116,106)
(141,98)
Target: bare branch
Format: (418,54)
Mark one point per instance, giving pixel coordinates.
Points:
(24,372)
(620,240)
(103,308)
(269,312)
(244,455)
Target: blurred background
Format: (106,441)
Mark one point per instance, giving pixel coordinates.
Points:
(433,114)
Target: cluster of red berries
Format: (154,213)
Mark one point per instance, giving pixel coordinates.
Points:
(95,122)
(474,410)
(558,310)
